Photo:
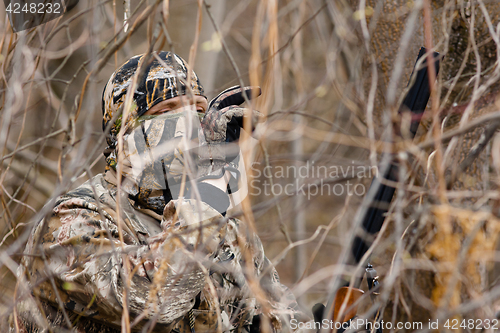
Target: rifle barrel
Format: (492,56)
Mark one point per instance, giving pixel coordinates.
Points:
(415,101)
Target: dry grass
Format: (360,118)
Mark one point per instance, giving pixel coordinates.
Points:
(333,75)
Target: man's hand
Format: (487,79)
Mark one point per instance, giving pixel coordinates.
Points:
(224,119)
(221,127)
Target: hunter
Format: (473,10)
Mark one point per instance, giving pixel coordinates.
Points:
(147,246)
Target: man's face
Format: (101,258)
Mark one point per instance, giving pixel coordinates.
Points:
(176,104)
(153,146)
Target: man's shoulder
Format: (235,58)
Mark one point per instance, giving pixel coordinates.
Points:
(94,190)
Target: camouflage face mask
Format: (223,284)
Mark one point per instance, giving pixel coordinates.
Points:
(162,79)
(156,157)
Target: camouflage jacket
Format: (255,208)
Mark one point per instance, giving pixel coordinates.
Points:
(174,273)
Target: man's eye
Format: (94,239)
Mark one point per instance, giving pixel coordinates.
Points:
(200,107)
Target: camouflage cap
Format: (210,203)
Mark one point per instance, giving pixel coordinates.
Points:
(162,80)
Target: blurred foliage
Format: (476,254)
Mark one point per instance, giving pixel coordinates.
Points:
(333,73)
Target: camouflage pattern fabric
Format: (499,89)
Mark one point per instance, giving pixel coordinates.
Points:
(156,156)
(164,265)
(221,128)
(161,80)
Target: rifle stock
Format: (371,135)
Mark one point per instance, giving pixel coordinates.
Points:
(345,305)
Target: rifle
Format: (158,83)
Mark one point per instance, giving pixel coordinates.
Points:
(373,217)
